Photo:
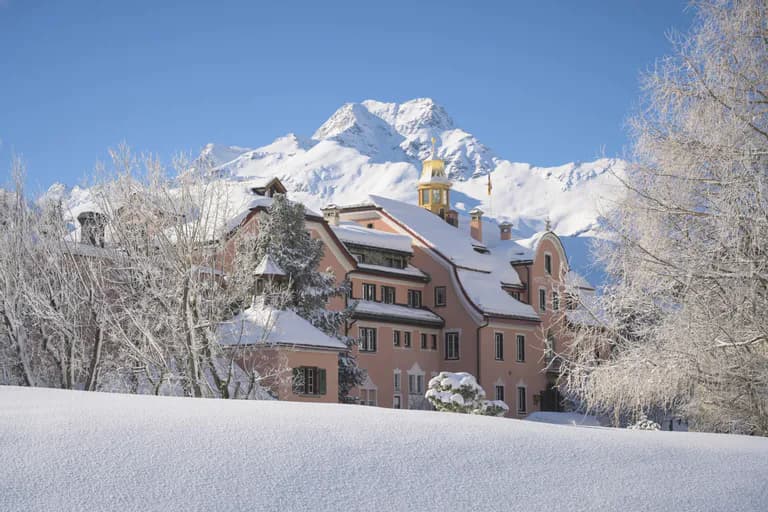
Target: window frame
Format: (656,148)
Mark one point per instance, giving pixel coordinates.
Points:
(423,341)
(407,339)
(448,346)
(369,287)
(444,302)
(498,346)
(548,263)
(396,337)
(366,342)
(397,381)
(314,381)
(542,299)
(412,294)
(520,343)
(523,402)
(499,396)
(385,295)
(433,340)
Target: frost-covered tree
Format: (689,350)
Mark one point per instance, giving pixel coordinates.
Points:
(460,392)
(283,234)
(686,329)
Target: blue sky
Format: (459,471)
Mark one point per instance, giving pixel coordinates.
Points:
(540,82)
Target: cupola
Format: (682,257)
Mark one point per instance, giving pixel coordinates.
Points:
(434,186)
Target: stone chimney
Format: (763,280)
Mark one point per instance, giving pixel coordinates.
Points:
(476,224)
(331,214)
(505,230)
(452,218)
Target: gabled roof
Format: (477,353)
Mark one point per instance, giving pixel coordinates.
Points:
(481,275)
(264,325)
(451,243)
(268,267)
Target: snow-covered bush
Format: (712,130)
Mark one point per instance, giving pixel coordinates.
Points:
(643,423)
(460,392)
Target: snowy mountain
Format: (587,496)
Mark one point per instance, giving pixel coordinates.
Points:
(377,148)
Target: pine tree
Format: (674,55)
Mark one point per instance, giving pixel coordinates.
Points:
(282,234)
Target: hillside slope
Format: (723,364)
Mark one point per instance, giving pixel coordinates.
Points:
(65,450)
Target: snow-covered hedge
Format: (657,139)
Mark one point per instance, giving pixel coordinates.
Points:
(460,392)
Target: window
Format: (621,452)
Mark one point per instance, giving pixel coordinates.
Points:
(499,344)
(549,346)
(397,380)
(415,384)
(500,393)
(407,339)
(542,299)
(359,257)
(388,294)
(369,291)
(521,400)
(439,295)
(367,339)
(394,261)
(369,225)
(548,264)
(309,380)
(520,348)
(396,402)
(555,301)
(396,338)
(367,397)
(423,341)
(414,298)
(424,196)
(434,342)
(451,345)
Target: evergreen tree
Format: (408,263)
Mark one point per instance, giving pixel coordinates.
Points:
(283,235)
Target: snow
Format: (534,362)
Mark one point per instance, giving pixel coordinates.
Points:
(564,418)
(377,148)
(409,270)
(449,241)
(484,290)
(268,267)
(396,311)
(354,233)
(264,324)
(78,451)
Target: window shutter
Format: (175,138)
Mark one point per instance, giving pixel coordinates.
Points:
(321,381)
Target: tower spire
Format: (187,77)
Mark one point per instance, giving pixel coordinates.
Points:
(434,151)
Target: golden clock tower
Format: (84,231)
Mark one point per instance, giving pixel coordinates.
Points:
(434,186)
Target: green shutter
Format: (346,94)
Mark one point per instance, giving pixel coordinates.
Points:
(321,381)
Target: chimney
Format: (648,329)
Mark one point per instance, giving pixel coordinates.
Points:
(452,218)
(476,224)
(331,214)
(505,230)
(91,228)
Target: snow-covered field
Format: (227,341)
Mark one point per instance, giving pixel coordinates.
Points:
(64,450)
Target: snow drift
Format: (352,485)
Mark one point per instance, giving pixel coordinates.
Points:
(69,450)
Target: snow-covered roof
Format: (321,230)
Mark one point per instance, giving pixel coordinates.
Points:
(576,280)
(409,270)
(484,290)
(261,324)
(268,267)
(449,241)
(354,233)
(380,309)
